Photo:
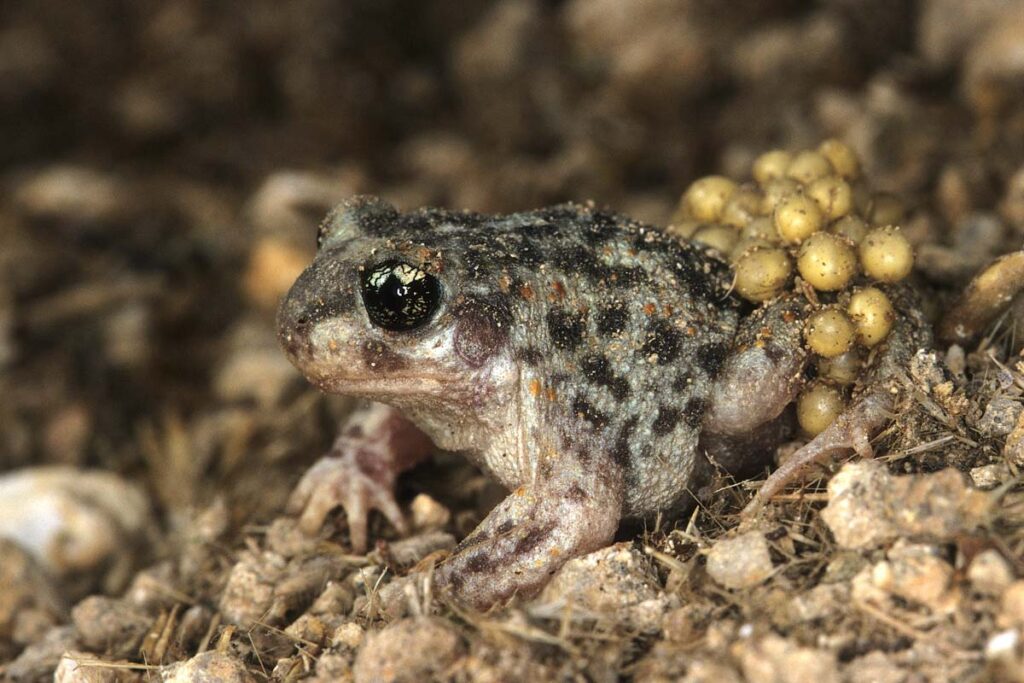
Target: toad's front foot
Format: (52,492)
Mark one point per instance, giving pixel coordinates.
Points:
(359,473)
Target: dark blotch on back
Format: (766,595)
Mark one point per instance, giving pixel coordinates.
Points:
(693,413)
(621,452)
(566,329)
(598,370)
(583,409)
(663,340)
(711,357)
(612,320)
(529,355)
(666,420)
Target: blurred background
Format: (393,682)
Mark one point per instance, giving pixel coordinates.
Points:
(163,166)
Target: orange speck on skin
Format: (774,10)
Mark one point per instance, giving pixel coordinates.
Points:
(789,316)
(691,331)
(551,394)
(332,345)
(558,289)
(535,387)
(649,309)
(668,310)
(526,291)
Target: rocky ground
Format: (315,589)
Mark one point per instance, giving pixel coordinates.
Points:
(162,170)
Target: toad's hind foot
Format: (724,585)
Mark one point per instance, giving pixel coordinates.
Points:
(851,431)
(529,535)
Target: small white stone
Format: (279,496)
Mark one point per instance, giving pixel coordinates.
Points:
(740,562)
(989,573)
(427,513)
(1002,644)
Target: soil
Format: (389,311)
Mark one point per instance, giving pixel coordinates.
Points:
(163,168)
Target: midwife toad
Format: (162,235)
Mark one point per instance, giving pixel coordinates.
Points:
(591,364)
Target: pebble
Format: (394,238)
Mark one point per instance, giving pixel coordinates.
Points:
(989,572)
(1011,606)
(111,626)
(413,650)
(917,573)
(78,667)
(874,667)
(29,603)
(76,195)
(616,582)
(427,513)
(208,666)
(740,562)
(868,507)
(77,523)
(987,477)
(1001,416)
(773,659)
(408,551)
(1013,451)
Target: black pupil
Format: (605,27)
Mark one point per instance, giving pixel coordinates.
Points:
(399,296)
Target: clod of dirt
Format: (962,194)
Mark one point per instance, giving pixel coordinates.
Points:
(208,666)
(29,603)
(113,627)
(85,527)
(776,660)
(740,562)
(82,667)
(409,551)
(913,572)
(868,507)
(1000,416)
(1013,451)
(413,650)
(617,583)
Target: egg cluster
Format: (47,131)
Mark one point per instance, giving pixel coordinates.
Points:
(809,212)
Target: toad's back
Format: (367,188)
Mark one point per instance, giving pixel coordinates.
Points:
(617,332)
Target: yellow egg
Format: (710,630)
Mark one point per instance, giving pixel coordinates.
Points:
(843,159)
(761,228)
(843,369)
(771,165)
(826,262)
(808,166)
(818,406)
(873,314)
(829,333)
(717,236)
(796,218)
(833,195)
(762,273)
(775,191)
(885,209)
(851,227)
(705,198)
(886,255)
(743,206)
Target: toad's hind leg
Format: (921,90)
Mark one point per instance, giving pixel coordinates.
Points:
(534,531)
(871,411)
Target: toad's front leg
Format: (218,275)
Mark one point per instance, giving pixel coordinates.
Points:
(534,531)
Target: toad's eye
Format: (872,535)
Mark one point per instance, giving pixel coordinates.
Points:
(399,296)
